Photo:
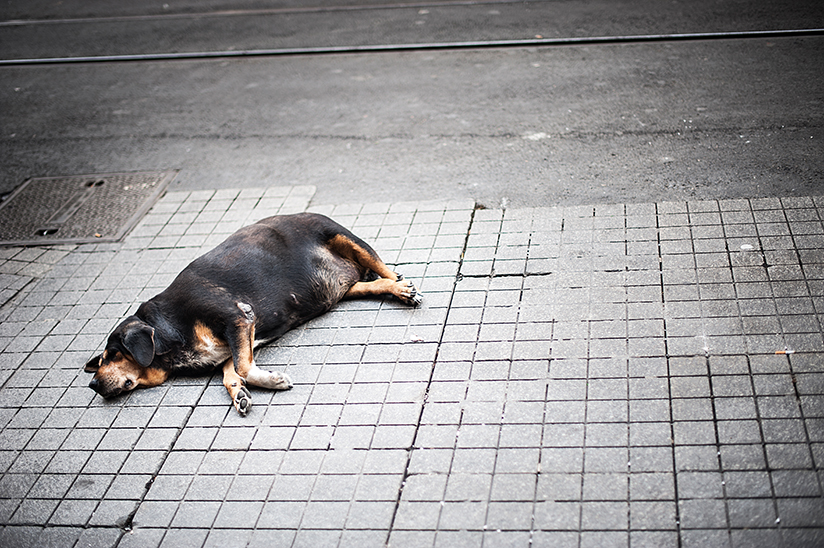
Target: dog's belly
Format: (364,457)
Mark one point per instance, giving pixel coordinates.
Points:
(207,352)
(214,354)
(328,278)
(332,277)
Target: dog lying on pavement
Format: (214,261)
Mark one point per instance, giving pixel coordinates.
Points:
(261,282)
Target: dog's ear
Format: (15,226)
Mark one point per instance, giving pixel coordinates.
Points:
(92,365)
(138,340)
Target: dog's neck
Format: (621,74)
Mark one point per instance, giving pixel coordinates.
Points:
(166,337)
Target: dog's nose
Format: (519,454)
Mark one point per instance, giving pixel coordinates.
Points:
(93,384)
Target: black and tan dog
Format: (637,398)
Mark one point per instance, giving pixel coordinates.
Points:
(261,282)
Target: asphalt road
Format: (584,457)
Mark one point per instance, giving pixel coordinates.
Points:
(544,125)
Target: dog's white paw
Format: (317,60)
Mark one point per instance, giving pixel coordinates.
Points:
(273,380)
(282,381)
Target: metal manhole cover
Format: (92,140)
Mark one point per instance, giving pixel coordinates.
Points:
(79,209)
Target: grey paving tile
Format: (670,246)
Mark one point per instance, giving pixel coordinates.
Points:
(184,538)
(742,457)
(800,512)
(425,487)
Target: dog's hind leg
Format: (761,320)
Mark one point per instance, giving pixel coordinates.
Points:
(403,290)
(388,283)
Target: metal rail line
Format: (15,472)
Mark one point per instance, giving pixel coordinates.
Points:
(381,48)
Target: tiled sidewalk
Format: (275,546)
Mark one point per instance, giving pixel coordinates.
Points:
(644,375)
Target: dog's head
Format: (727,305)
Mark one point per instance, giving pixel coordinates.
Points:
(122,367)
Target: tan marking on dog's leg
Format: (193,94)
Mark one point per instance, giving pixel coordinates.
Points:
(236,386)
(348,249)
(245,342)
(390,282)
(402,289)
(246,367)
(380,286)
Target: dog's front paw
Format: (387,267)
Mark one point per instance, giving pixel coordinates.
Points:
(281,381)
(273,380)
(243,401)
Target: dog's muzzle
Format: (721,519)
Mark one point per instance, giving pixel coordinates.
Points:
(100,388)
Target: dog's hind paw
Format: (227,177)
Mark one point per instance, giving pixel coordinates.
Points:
(417,298)
(243,401)
(409,294)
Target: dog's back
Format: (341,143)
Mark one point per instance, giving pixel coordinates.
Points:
(282,267)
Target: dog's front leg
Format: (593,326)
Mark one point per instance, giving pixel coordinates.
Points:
(243,366)
(236,386)
(246,366)
(241,337)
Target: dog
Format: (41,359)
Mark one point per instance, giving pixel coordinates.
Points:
(264,280)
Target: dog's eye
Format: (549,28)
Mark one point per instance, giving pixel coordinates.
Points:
(128,383)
